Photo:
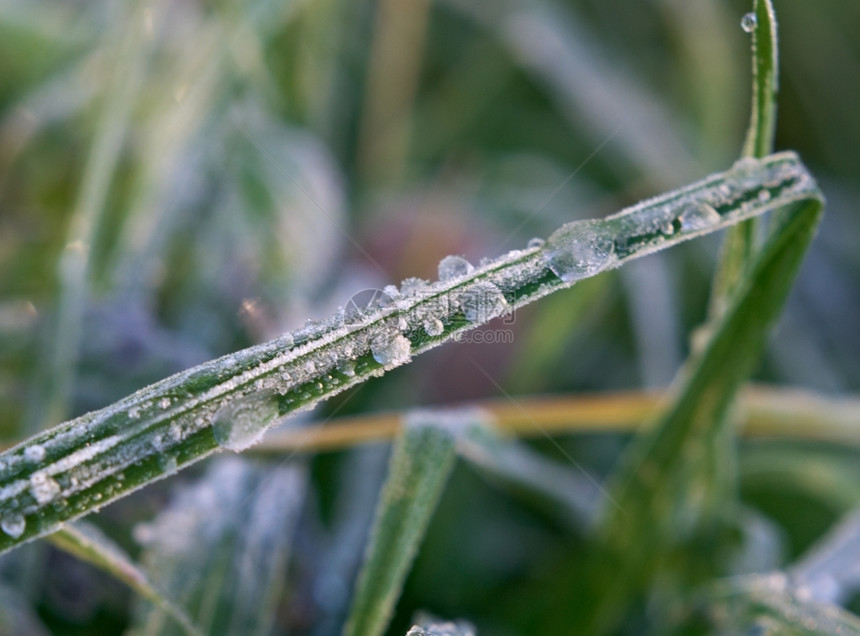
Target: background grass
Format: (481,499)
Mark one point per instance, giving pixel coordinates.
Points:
(195,159)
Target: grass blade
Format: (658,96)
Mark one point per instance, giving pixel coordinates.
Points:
(221,548)
(759,139)
(459,628)
(228,403)
(86,542)
(669,480)
(738,247)
(422,459)
(769,605)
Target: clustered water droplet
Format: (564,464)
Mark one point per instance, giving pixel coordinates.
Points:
(391,350)
(241,423)
(411,286)
(749,22)
(34,453)
(482,301)
(698,216)
(452,267)
(13,524)
(433,327)
(43,488)
(580,249)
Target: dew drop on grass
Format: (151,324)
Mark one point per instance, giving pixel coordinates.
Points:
(698,216)
(164,402)
(580,249)
(482,302)
(412,286)
(13,525)
(452,267)
(391,350)
(749,22)
(242,422)
(347,368)
(34,453)
(43,488)
(745,173)
(433,327)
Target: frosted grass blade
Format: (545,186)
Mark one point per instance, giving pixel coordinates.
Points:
(228,403)
(221,548)
(86,542)
(421,461)
(768,604)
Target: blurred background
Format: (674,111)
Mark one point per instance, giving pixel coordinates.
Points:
(180,179)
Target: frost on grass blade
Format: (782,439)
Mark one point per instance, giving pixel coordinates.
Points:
(79,466)
(221,548)
(421,461)
(430,627)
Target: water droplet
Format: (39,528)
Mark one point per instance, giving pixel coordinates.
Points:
(158,442)
(452,267)
(164,402)
(749,22)
(134,412)
(391,351)
(347,367)
(764,196)
(411,286)
(482,302)
(433,327)
(365,302)
(168,464)
(34,453)
(580,249)
(698,216)
(242,422)
(43,488)
(13,525)
(745,173)
(535,243)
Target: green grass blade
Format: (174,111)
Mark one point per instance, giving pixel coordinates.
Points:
(759,139)
(421,462)
(87,543)
(670,478)
(221,548)
(228,403)
(459,628)
(74,268)
(769,604)
(738,248)
(830,571)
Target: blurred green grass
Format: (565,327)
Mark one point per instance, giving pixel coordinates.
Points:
(263,136)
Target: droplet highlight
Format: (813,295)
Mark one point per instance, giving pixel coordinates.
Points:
(13,525)
(482,302)
(43,488)
(698,216)
(34,453)
(242,423)
(391,351)
(452,267)
(580,249)
(433,327)
(749,22)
